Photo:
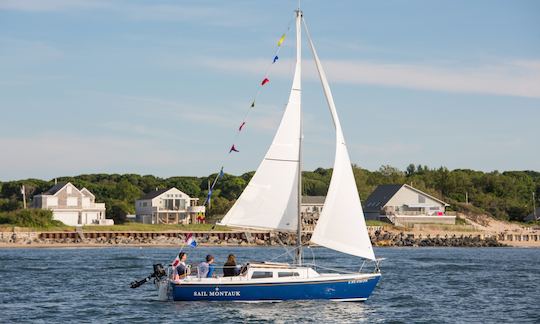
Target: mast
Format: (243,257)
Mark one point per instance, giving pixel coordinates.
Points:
(299,65)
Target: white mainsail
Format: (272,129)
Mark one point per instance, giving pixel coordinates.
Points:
(270,200)
(341,225)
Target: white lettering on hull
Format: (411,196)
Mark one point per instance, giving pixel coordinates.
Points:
(216,294)
(352,282)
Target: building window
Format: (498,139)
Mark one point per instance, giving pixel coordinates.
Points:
(421,199)
(144,204)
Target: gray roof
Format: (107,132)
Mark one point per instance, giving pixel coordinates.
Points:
(381,196)
(383,193)
(153,194)
(313,200)
(54,189)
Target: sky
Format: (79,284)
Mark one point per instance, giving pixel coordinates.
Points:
(160,87)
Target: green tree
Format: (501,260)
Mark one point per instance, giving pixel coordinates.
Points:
(119,211)
(126,191)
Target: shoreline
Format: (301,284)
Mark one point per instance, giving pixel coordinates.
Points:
(380,237)
(107,246)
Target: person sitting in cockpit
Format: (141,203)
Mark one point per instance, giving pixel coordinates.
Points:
(181,268)
(230,268)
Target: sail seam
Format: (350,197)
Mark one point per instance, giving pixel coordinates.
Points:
(281,160)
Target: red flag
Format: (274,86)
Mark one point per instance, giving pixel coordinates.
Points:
(242,125)
(265,81)
(176,262)
(233,148)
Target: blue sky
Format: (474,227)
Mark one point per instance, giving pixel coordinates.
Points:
(159,87)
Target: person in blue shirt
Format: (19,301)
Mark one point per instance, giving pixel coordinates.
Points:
(206,269)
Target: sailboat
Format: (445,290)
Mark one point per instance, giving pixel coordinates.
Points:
(271,201)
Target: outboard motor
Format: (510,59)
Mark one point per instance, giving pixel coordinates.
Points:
(159,272)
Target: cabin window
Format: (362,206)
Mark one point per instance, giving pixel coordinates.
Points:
(288,274)
(262,274)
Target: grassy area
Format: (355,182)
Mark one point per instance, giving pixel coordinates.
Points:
(445,227)
(12,228)
(376,223)
(156,227)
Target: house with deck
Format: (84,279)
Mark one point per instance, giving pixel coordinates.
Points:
(310,209)
(169,206)
(405,205)
(72,206)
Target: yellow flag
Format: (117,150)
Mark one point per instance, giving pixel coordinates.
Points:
(281,40)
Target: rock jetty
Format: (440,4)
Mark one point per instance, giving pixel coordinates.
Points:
(379,237)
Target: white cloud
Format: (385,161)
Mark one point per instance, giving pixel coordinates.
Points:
(152,11)
(511,78)
(264,119)
(49,5)
(28,50)
(56,154)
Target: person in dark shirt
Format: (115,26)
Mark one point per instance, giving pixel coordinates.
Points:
(181,268)
(230,268)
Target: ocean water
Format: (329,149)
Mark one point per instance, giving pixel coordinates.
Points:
(419,285)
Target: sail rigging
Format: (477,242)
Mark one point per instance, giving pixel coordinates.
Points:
(271,198)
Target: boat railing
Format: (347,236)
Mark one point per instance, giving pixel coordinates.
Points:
(241,269)
(345,269)
(333,269)
(193,270)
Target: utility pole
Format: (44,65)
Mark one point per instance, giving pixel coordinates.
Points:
(24,196)
(466,197)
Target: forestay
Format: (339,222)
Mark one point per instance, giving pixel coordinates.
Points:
(341,225)
(270,200)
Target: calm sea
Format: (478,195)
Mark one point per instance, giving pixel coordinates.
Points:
(421,285)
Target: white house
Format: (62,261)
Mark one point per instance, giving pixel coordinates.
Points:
(310,209)
(169,206)
(72,206)
(404,204)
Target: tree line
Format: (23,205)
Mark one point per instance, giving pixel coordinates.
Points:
(503,195)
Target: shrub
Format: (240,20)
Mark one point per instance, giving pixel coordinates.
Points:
(37,218)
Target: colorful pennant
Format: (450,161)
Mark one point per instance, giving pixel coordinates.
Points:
(240,128)
(233,148)
(208,196)
(221,173)
(280,41)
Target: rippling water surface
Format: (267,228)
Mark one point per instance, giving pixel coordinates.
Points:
(430,285)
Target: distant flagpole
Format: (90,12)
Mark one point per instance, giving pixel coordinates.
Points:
(23,192)
(209,198)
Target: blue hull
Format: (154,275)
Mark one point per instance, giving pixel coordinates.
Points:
(353,290)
